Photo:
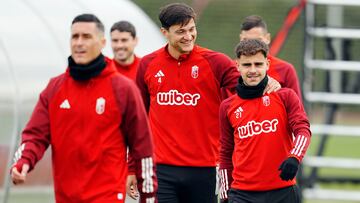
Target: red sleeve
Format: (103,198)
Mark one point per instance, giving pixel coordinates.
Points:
(292,81)
(36,135)
(140,80)
(135,127)
(224,69)
(226,149)
(298,122)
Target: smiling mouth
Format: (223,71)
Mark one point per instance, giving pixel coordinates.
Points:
(187,42)
(80,52)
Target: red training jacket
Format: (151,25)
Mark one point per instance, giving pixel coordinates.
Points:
(285,74)
(89,124)
(129,70)
(183,99)
(257,135)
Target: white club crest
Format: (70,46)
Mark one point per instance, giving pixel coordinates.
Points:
(195,72)
(100,105)
(266,100)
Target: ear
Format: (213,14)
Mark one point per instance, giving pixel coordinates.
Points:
(237,62)
(267,64)
(164,31)
(136,40)
(267,38)
(103,42)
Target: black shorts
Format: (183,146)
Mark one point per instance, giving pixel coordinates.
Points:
(283,195)
(178,184)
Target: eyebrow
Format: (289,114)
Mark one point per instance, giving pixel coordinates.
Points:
(246,64)
(256,63)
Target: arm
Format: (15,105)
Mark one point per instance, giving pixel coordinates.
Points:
(299,124)
(135,128)
(292,81)
(131,182)
(35,136)
(140,82)
(226,150)
(225,72)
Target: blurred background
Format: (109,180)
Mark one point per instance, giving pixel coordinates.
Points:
(319,37)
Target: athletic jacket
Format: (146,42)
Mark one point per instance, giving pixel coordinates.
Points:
(89,125)
(285,74)
(257,135)
(183,99)
(129,70)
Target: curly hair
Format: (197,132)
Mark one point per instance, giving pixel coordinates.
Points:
(249,47)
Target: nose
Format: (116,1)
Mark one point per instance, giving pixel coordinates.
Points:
(188,36)
(252,68)
(78,41)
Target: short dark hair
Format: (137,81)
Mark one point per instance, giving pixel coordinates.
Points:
(250,47)
(253,21)
(89,18)
(176,14)
(124,26)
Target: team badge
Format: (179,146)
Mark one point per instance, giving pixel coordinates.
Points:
(195,72)
(100,105)
(266,100)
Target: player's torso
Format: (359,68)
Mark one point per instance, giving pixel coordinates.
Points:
(184,104)
(86,139)
(262,140)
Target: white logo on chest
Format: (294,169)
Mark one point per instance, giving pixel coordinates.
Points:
(159,75)
(195,72)
(100,105)
(238,112)
(254,128)
(173,97)
(65,104)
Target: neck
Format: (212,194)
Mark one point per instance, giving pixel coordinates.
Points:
(174,52)
(85,72)
(127,61)
(249,92)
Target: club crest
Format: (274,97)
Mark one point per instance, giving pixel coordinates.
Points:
(100,105)
(195,72)
(266,100)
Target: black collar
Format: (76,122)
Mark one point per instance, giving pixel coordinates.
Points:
(250,92)
(85,72)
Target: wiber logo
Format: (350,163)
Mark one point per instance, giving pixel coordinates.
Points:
(173,97)
(254,128)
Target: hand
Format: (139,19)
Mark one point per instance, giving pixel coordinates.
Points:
(17,176)
(131,187)
(289,168)
(224,200)
(272,86)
